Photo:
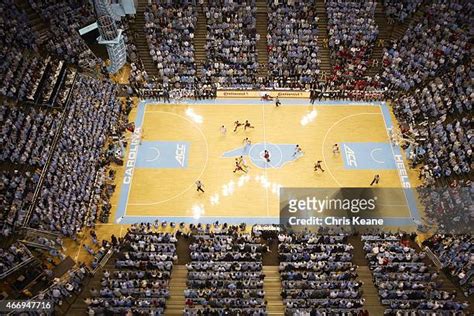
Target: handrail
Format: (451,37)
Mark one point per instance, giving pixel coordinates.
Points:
(433,258)
(21,264)
(89,206)
(50,156)
(62,280)
(103,261)
(17,267)
(42,232)
(36,245)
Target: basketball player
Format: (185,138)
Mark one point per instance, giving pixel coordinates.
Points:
(266,155)
(298,151)
(199,186)
(243,163)
(277,102)
(335,149)
(237,124)
(238,167)
(223,130)
(317,166)
(247,125)
(375,180)
(247,142)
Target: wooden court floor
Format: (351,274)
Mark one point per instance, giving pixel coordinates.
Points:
(158,187)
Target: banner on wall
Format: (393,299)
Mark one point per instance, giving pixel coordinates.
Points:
(259,94)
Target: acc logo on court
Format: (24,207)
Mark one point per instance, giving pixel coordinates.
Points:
(350,156)
(180,153)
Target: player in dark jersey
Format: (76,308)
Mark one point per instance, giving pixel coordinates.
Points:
(237,124)
(248,125)
(317,166)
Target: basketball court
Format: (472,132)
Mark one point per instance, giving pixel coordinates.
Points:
(176,144)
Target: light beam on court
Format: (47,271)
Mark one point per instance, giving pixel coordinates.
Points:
(308,118)
(215,199)
(228,189)
(243,180)
(266,184)
(198,211)
(193,116)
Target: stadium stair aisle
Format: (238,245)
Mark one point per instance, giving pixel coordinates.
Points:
(182,250)
(369,291)
(272,288)
(199,41)
(140,40)
(323,39)
(385,29)
(270,258)
(175,303)
(36,23)
(262,29)
(78,306)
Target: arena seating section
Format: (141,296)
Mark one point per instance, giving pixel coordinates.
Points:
(455,252)
(94,110)
(293,44)
(225,274)
(140,279)
(352,33)
(317,274)
(403,279)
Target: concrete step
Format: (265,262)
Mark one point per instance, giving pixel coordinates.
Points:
(175,303)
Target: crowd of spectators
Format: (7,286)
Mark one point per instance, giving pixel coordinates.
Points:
(434,117)
(17,71)
(368,91)
(15,31)
(129,37)
(69,184)
(292,43)
(21,75)
(68,285)
(225,274)
(27,133)
(455,253)
(448,207)
(65,18)
(140,282)
(352,34)
(231,44)
(400,10)
(440,40)
(138,76)
(169,30)
(444,148)
(448,94)
(13,256)
(16,191)
(317,274)
(404,282)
